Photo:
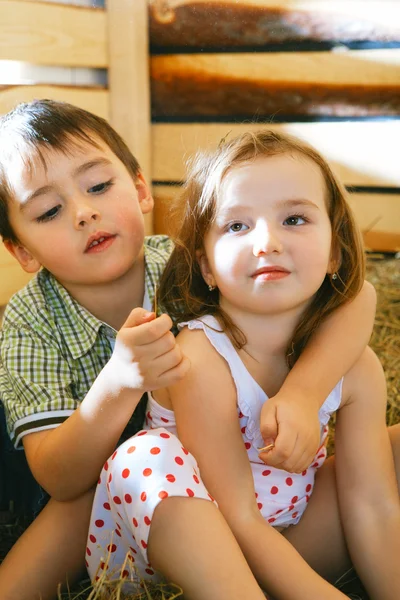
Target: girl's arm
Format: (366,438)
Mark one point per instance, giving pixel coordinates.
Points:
(293,413)
(367,487)
(208,425)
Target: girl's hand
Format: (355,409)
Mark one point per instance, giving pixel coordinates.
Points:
(293,427)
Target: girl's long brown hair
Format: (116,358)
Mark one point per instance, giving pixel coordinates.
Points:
(184,294)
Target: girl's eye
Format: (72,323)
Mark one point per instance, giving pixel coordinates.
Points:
(49,215)
(100,188)
(237,227)
(295,220)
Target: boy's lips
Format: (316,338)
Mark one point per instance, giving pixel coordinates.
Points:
(99,241)
(271,273)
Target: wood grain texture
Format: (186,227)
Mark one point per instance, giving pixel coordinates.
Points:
(351,83)
(361,153)
(52,34)
(95,100)
(236,23)
(378,216)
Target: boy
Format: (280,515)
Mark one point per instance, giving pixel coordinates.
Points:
(72,201)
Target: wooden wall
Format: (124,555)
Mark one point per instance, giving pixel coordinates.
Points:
(326,70)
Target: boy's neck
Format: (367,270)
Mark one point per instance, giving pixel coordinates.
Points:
(113,302)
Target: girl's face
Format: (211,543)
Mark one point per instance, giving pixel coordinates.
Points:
(269,248)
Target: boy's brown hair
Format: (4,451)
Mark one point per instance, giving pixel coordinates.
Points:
(183,292)
(48,124)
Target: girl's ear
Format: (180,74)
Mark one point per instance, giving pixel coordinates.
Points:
(144,194)
(205,268)
(335,260)
(28,262)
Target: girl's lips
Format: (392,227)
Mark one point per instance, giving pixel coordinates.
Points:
(270,275)
(101,246)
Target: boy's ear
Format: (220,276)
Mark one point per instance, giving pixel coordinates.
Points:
(205,268)
(144,194)
(28,262)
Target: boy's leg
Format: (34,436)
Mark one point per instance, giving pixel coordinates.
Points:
(50,551)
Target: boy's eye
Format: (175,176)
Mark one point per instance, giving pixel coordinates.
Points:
(295,220)
(237,227)
(99,188)
(49,215)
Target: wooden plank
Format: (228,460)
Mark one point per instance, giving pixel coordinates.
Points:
(253,23)
(52,34)
(361,153)
(350,83)
(378,216)
(12,277)
(92,99)
(129,79)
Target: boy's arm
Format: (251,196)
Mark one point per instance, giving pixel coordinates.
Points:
(290,418)
(67,460)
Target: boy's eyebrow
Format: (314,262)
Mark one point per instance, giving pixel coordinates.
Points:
(101,161)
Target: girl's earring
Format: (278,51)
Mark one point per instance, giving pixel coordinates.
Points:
(211,287)
(334,276)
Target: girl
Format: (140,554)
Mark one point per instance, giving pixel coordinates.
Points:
(267,248)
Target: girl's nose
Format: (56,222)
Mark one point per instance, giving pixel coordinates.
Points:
(266,241)
(85,213)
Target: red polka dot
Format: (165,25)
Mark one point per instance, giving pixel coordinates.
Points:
(291,507)
(149,416)
(322,455)
(147,520)
(304,473)
(243,430)
(120,518)
(126,473)
(97,578)
(309,487)
(241,415)
(99,523)
(294,515)
(107,506)
(106,466)
(315,465)
(149,571)
(274,489)
(166,436)
(114,455)
(110,478)
(170,478)
(144,545)
(125,573)
(118,525)
(185,451)
(88,552)
(163,495)
(92,539)
(86,563)
(131,449)
(134,521)
(133,550)
(278,511)
(118,533)
(259,505)
(128,498)
(294,499)
(178,460)
(266,472)
(147,472)
(155,450)
(196,479)
(143,496)
(131,558)
(211,498)
(102,566)
(164,420)
(289,481)
(117,500)
(307,498)
(271,520)
(142,433)
(247,445)
(190,492)
(111,547)
(99,481)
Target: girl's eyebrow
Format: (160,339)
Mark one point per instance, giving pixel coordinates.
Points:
(298,202)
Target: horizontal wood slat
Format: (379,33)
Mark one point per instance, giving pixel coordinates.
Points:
(349,83)
(91,99)
(361,153)
(235,23)
(52,34)
(378,216)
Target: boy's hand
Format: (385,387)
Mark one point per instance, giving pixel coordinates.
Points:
(146,356)
(294,429)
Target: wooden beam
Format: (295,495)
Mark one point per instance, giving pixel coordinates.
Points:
(361,153)
(52,34)
(351,83)
(129,78)
(236,23)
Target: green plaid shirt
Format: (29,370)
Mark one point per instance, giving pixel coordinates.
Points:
(52,349)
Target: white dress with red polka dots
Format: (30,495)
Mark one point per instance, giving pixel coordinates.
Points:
(153,465)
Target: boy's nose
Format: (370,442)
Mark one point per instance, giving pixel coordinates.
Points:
(85,213)
(266,241)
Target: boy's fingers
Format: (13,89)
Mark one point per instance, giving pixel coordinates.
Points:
(138,316)
(143,333)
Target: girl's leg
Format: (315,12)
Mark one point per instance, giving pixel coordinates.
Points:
(319,536)
(50,551)
(153,519)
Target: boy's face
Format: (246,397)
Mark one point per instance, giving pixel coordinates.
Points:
(80,215)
